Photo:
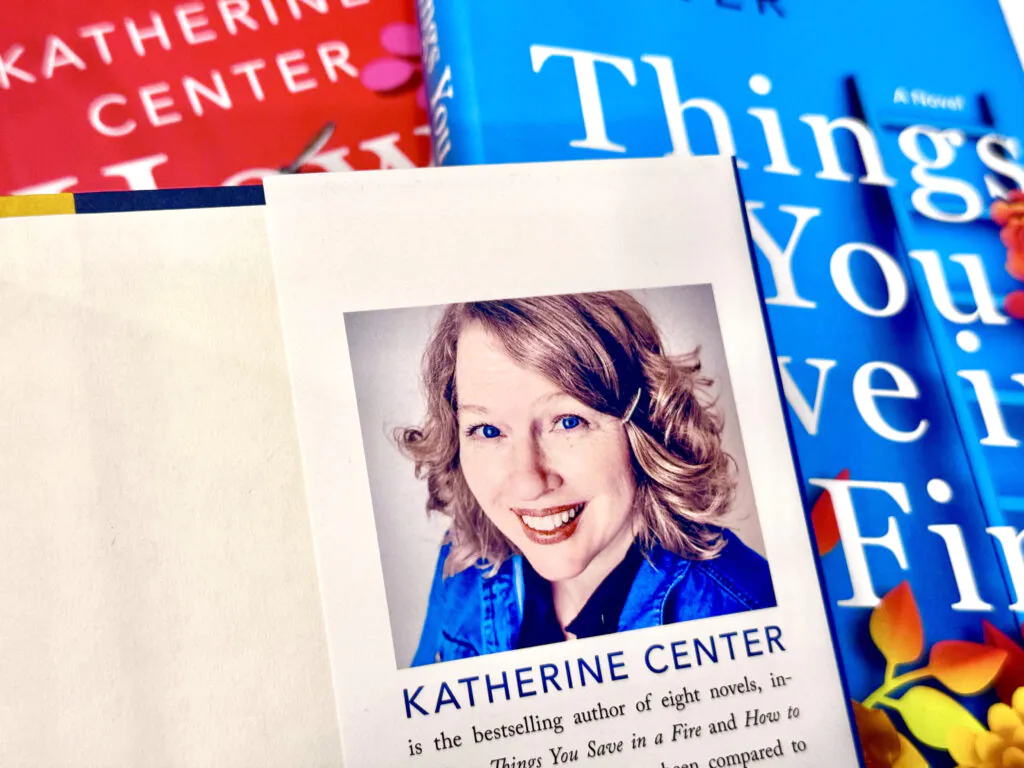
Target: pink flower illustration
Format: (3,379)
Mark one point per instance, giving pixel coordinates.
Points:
(393,73)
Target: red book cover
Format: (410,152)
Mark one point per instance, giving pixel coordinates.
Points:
(120,94)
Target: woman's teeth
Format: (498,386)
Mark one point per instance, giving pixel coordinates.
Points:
(551,522)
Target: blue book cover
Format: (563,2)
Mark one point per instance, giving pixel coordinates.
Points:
(872,139)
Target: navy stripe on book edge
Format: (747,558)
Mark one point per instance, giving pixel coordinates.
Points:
(168,199)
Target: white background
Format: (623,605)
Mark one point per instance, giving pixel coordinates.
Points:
(353,242)
(386,348)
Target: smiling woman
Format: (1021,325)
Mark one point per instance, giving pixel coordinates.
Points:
(583,473)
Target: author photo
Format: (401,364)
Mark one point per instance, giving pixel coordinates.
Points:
(574,469)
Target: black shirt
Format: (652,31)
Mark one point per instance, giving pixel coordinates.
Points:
(600,615)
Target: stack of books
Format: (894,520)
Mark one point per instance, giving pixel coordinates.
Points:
(682,428)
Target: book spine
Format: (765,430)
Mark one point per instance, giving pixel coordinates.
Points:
(455,134)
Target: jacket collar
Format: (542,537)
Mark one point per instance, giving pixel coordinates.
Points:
(645,605)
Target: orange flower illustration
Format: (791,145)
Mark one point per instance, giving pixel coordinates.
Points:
(929,715)
(1011,675)
(882,745)
(1009,215)
(823,520)
(916,690)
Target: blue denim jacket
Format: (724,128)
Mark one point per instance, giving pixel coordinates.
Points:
(471,614)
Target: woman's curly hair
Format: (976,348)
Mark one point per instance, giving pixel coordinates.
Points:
(602,349)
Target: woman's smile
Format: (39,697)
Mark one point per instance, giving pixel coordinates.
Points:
(551,525)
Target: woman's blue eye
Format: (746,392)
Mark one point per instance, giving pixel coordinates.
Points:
(489,431)
(569,422)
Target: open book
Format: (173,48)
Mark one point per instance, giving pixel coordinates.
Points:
(512,435)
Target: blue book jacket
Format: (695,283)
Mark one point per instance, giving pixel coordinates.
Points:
(872,139)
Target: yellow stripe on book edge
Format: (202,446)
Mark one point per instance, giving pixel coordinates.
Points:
(37,205)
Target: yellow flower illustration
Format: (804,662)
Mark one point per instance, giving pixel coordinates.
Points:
(1001,746)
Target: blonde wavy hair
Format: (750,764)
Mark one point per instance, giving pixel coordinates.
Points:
(602,349)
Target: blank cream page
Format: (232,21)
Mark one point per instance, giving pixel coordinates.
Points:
(158,594)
